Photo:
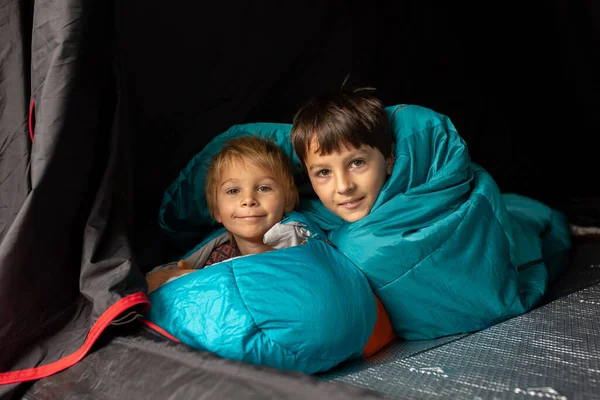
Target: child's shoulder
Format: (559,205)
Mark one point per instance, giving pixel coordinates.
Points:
(294,229)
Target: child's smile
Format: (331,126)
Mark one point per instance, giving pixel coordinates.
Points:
(348,182)
(250,201)
(353,203)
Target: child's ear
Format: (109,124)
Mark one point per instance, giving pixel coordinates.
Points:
(291,200)
(389,163)
(218,218)
(290,204)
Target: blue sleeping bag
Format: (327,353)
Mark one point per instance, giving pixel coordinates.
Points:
(305,307)
(442,248)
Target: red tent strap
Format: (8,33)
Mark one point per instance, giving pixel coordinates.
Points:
(101,324)
(31,107)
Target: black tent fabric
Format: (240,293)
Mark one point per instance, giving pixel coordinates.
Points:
(102,103)
(66,264)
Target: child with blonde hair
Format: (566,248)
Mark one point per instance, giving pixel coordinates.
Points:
(249,186)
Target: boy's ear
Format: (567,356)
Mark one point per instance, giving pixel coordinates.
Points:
(290,204)
(218,218)
(389,163)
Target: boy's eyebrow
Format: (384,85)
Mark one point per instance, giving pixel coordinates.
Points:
(267,177)
(315,166)
(227,181)
(353,154)
(234,180)
(358,152)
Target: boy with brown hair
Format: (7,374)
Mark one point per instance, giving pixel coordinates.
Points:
(344,141)
(441,246)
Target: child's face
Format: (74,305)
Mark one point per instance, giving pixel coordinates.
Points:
(250,201)
(348,182)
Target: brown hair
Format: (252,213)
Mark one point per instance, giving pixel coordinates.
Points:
(342,118)
(257,151)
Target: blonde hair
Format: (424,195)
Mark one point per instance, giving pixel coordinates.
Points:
(256,151)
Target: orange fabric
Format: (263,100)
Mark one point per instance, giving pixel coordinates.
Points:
(383,333)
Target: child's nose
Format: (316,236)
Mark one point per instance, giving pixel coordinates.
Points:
(249,201)
(344,184)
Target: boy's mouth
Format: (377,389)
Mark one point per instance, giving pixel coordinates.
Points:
(249,217)
(353,203)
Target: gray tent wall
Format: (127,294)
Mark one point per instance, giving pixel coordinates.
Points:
(122,95)
(65,255)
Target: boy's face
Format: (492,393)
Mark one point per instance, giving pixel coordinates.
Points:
(348,182)
(250,201)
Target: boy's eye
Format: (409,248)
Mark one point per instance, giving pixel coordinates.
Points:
(357,163)
(263,189)
(323,172)
(232,191)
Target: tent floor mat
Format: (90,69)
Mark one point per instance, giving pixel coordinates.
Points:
(134,362)
(552,352)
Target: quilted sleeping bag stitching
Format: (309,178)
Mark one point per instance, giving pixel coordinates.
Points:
(305,308)
(442,247)
(435,274)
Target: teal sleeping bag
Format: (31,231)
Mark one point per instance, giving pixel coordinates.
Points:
(303,307)
(442,248)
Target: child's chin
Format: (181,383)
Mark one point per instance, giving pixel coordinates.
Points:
(353,216)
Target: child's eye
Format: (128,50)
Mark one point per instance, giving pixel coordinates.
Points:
(323,173)
(357,163)
(263,189)
(232,191)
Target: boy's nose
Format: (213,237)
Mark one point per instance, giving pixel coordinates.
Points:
(344,185)
(249,201)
